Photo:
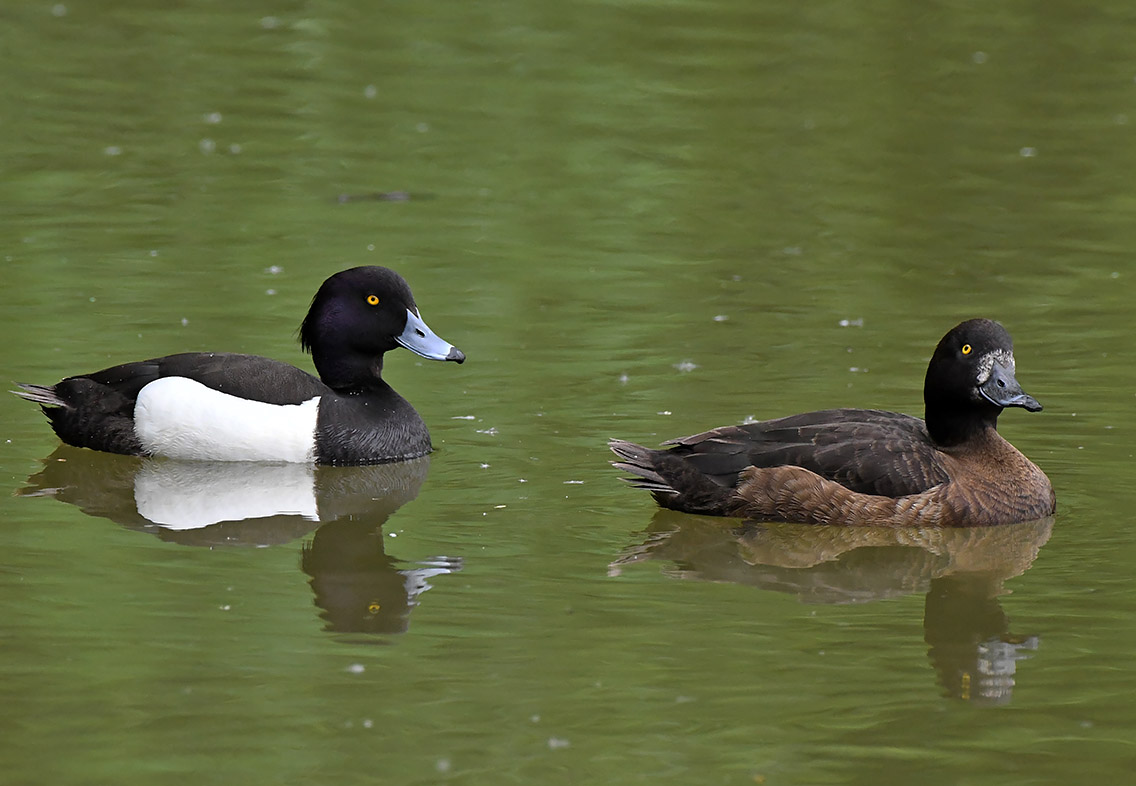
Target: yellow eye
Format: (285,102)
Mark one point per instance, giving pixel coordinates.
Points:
(374,301)
(966,349)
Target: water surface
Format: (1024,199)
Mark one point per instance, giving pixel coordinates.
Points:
(638,220)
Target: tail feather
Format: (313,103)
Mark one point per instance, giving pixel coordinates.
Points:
(672,481)
(647,480)
(44,395)
(87,414)
(637,461)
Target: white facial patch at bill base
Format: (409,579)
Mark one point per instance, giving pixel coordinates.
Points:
(986,363)
(179,418)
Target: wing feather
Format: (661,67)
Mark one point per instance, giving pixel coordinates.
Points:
(247,376)
(868,451)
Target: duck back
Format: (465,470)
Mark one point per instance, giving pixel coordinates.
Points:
(865,450)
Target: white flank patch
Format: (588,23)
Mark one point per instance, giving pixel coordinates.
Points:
(182,496)
(179,418)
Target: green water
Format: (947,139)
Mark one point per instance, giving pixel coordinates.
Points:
(638,220)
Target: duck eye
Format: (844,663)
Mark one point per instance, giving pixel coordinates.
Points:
(966,349)
(374,301)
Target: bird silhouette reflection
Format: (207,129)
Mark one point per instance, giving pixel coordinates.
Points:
(961,571)
(358,587)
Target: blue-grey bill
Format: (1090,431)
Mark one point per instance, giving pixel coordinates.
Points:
(1002,388)
(421,340)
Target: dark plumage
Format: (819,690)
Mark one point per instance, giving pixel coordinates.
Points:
(868,467)
(356,316)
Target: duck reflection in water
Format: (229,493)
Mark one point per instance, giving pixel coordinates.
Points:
(358,587)
(961,570)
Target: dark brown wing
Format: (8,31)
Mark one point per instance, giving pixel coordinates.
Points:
(868,451)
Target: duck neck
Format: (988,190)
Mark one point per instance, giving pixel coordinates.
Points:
(950,426)
(351,373)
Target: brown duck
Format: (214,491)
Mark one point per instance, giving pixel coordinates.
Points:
(866,467)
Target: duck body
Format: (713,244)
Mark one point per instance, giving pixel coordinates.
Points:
(236,407)
(868,467)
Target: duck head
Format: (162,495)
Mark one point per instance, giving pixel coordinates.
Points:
(970,380)
(358,315)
